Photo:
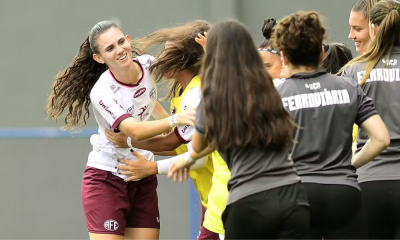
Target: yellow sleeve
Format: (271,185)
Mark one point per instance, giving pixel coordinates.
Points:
(355,131)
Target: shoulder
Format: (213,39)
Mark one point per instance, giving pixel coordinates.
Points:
(344,81)
(194,91)
(283,85)
(192,97)
(145,59)
(350,70)
(104,85)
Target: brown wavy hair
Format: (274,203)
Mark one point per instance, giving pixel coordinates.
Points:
(72,86)
(243,107)
(386,15)
(187,54)
(300,37)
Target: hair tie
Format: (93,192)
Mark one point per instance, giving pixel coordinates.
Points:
(269,50)
(393,8)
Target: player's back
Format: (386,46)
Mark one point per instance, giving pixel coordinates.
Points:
(325,107)
(383,87)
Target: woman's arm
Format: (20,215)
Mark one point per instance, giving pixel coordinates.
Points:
(159,112)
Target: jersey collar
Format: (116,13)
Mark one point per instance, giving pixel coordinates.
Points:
(306,75)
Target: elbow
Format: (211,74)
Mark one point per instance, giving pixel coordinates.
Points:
(204,162)
(135,135)
(197,148)
(386,141)
(383,141)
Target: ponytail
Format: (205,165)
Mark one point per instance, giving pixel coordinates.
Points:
(71,89)
(384,14)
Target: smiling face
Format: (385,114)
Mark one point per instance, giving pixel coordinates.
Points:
(359,30)
(114,49)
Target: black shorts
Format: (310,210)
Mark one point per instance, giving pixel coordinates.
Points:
(276,213)
(336,212)
(381,204)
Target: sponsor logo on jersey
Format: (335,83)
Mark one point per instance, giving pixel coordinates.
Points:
(152,94)
(142,110)
(111,225)
(106,109)
(391,62)
(139,92)
(313,86)
(131,110)
(185,128)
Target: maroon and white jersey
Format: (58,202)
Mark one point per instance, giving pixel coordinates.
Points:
(113,102)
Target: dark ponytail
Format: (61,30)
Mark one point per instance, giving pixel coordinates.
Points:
(267,30)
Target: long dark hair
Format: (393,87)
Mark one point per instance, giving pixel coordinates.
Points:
(335,57)
(186,54)
(243,107)
(386,15)
(72,86)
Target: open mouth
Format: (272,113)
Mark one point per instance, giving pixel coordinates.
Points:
(123,57)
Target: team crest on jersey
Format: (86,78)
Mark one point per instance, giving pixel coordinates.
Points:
(114,88)
(152,94)
(111,225)
(173,110)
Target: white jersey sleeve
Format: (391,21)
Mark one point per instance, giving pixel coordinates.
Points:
(109,109)
(164,165)
(191,99)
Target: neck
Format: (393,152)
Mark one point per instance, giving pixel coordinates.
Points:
(185,77)
(129,75)
(301,69)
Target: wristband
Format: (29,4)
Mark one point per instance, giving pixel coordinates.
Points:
(129,142)
(172,121)
(189,159)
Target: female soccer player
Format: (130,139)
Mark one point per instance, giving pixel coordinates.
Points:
(179,63)
(242,116)
(123,95)
(377,72)
(359,29)
(325,107)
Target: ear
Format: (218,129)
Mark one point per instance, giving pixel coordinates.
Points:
(128,38)
(373,29)
(284,59)
(98,58)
